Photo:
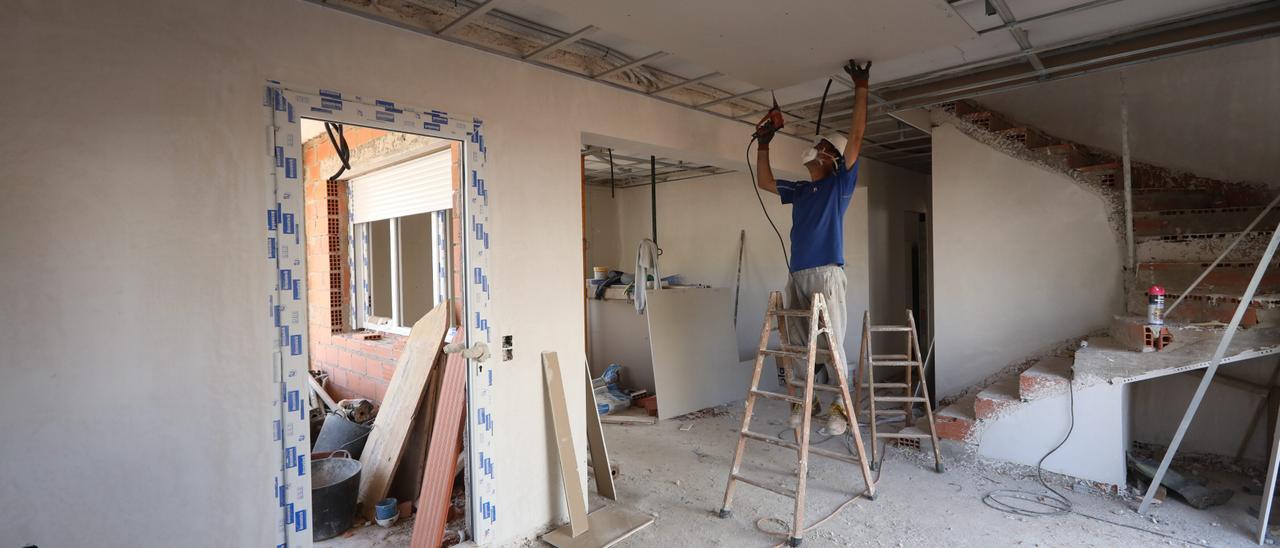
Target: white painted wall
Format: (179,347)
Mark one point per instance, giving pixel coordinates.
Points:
(1212,113)
(135,339)
(1023,258)
(1096,449)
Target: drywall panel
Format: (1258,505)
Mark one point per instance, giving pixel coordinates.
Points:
(1096,449)
(1212,113)
(132,232)
(1023,258)
(775,44)
(695,362)
(620,335)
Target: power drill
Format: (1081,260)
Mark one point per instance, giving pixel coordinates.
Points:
(771,123)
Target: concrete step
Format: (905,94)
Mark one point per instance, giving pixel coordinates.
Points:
(956,421)
(994,399)
(1226,278)
(1200,221)
(1201,247)
(1049,376)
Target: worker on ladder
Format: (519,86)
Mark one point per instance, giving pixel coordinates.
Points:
(817,227)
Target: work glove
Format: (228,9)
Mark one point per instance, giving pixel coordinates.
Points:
(767,127)
(763,136)
(861,76)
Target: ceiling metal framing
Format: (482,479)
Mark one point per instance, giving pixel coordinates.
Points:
(1206,29)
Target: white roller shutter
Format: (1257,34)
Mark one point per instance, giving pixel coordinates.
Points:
(420,185)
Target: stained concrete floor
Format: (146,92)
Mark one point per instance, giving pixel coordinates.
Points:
(679,477)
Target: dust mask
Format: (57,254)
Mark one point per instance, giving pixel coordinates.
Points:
(809,156)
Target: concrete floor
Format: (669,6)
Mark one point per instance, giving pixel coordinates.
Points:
(679,477)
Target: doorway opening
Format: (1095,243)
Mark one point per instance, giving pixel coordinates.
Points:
(382,251)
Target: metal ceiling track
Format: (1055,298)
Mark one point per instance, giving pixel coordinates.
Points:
(1187,33)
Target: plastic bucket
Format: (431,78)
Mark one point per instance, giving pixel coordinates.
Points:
(335,485)
(340,434)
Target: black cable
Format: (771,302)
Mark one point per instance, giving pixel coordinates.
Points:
(611,185)
(821,107)
(340,146)
(786,259)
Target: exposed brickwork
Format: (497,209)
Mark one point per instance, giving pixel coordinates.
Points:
(952,427)
(359,364)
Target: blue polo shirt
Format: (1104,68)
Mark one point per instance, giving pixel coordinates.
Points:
(817,216)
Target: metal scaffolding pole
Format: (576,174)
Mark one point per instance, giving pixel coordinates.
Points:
(1213,368)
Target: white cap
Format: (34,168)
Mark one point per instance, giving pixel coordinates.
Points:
(835,138)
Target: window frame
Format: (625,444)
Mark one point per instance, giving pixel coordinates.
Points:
(360,254)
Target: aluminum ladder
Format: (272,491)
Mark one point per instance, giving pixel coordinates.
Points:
(818,324)
(912,366)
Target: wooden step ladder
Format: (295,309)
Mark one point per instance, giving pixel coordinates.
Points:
(818,324)
(912,367)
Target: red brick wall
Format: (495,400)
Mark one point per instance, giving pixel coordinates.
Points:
(357,367)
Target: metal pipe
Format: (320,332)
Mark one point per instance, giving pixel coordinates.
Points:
(1215,262)
(1092,61)
(653,197)
(1130,259)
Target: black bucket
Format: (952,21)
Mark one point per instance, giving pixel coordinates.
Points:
(340,434)
(335,485)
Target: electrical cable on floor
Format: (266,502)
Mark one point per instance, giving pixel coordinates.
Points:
(1054,503)
(787,534)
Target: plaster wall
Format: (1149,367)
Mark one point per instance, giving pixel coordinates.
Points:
(1023,258)
(135,328)
(1212,113)
(1096,449)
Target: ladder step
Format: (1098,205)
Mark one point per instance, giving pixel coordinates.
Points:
(817,386)
(784,491)
(875,357)
(777,396)
(886,385)
(894,363)
(891,411)
(882,328)
(791,348)
(902,399)
(900,435)
(771,440)
(784,354)
(797,312)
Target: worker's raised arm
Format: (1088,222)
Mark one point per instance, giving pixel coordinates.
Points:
(861,76)
(765,179)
